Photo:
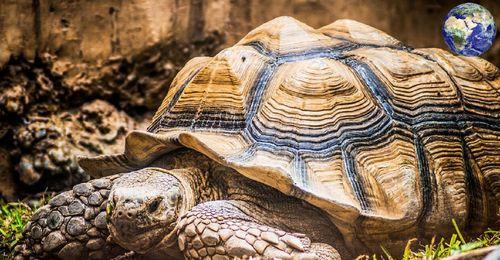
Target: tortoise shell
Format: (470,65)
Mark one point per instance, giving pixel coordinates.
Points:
(345,117)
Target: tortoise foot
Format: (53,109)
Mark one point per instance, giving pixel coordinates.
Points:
(219,230)
(72,226)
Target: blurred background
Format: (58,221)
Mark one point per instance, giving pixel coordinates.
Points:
(76,76)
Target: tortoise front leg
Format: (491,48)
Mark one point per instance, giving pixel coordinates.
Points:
(219,230)
(72,226)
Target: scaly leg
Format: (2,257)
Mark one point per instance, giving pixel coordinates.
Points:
(72,226)
(219,230)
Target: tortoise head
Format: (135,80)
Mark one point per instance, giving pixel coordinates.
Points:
(144,207)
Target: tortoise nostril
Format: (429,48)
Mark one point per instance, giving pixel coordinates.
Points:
(120,213)
(129,214)
(154,205)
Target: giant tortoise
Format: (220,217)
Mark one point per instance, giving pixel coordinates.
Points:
(295,143)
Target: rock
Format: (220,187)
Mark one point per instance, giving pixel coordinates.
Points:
(53,241)
(27,173)
(7,184)
(76,226)
(77,105)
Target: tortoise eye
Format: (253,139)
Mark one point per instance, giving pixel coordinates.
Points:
(154,205)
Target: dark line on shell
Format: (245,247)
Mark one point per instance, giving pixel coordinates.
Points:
(354,179)
(473,188)
(425,185)
(257,90)
(300,171)
(174,100)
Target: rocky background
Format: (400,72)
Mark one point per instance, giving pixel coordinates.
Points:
(76,76)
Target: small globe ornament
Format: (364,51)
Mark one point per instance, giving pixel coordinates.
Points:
(469,29)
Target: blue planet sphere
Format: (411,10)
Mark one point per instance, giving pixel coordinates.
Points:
(469,29)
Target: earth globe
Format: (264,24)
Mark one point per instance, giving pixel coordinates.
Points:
(469,29)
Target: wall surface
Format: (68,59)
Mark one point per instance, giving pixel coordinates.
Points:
(93,30)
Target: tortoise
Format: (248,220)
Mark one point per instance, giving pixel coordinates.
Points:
(295,143)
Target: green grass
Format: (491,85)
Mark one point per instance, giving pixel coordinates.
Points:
(13,217)
(456,244)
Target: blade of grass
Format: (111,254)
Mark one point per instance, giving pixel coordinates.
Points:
(407,252)
(386,253)
(458,230)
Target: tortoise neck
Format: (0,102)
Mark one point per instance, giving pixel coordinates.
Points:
(197,187)
(196,172)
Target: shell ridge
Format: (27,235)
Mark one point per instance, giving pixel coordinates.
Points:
(154,125)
